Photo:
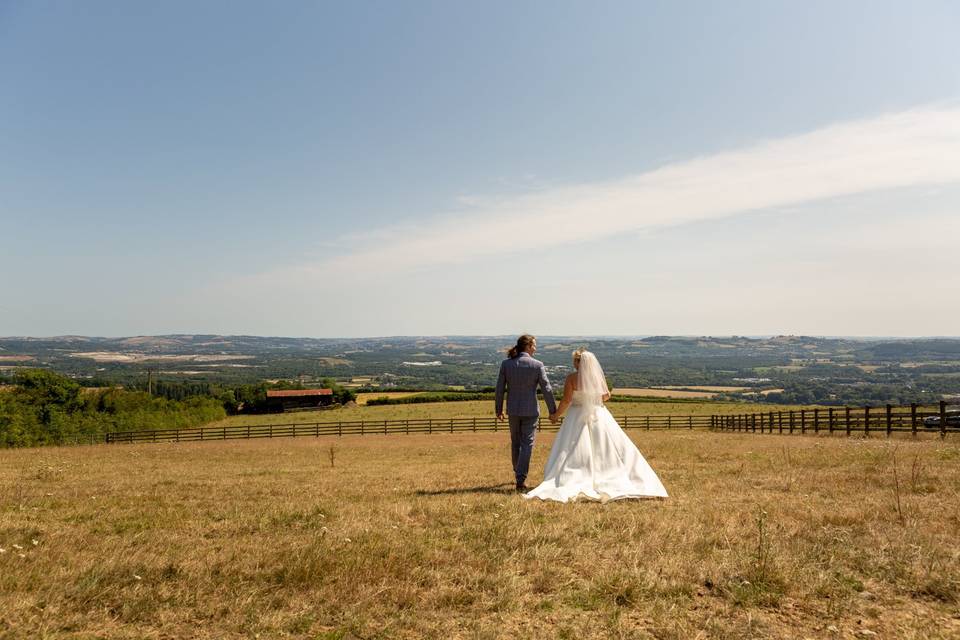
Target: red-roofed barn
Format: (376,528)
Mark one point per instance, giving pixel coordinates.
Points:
(295,399)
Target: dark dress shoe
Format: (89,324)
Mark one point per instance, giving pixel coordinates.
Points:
(521,487)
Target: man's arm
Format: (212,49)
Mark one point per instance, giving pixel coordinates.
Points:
(547,390)
(501,387)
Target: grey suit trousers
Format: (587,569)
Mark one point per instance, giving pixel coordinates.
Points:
(523,429)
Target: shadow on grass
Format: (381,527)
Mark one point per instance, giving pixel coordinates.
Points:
(506,487)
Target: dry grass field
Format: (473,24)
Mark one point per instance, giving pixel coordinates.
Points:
(420,537)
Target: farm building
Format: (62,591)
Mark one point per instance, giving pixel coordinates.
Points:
(294,399)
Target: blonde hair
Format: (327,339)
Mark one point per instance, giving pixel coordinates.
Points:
(577,354)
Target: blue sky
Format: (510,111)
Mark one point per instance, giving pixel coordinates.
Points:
(385,168)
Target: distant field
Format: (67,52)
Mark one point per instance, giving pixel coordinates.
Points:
(134,357)
(420,537)
(787,367)
(335,362)
(363,398)
(704,388)
(660,392)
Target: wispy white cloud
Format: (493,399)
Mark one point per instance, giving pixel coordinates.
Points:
(907,149)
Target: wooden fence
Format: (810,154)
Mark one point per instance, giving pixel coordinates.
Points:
(844,420)
(831,420)
(381,427)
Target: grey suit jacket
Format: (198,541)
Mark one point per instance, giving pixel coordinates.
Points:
(519,377)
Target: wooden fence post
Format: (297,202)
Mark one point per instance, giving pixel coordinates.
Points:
(791,421)
(830,419)
(913,418)
(847,411)
(803,421)
(866,422)
(816,420)
(943,419)
(889,419)
(690,422)
(780,420)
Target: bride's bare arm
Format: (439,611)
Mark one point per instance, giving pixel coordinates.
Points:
(568,388)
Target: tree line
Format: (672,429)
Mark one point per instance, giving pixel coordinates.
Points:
(42,407)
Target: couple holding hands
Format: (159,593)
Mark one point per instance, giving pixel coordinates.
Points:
(591,457)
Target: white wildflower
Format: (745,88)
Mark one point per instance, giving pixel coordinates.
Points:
(35,542)
(2,550)
(347,540)
(136,577)
(20,555)
(17,547)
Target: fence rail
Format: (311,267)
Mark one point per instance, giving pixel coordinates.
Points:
(382,427)
(887,420)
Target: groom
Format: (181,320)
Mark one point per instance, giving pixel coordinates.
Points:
(519,376)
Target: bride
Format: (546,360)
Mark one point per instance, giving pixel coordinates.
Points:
(592,457)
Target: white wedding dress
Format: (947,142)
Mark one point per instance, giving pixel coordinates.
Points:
(593,458)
